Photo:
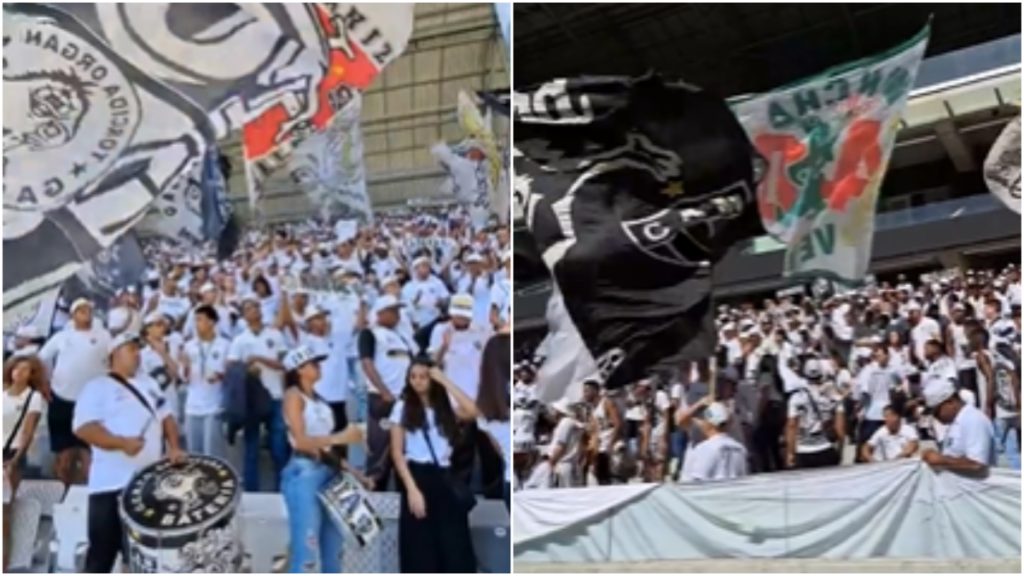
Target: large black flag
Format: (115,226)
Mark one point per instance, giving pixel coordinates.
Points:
(633,189)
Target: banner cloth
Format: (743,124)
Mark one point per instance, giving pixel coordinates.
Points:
(889,510)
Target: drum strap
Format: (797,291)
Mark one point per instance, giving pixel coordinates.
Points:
(135,392)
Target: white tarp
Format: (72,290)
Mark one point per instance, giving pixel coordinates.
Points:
(893,510)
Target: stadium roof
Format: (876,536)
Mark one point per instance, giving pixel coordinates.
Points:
(736,48)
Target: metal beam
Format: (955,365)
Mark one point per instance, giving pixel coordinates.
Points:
(948,135)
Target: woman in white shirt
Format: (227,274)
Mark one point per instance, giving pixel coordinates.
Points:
(24,405)
(433,528)
(315,543)
(492,404)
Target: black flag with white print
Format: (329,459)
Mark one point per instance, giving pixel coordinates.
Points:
(633,189)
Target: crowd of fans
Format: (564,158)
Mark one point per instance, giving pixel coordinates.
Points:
(400,326)
(884,372)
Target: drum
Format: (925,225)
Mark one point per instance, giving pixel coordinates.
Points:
(346,501)
(181,517)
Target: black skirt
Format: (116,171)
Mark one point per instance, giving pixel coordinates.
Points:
(441,542)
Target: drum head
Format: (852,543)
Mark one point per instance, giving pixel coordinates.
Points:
(175,500)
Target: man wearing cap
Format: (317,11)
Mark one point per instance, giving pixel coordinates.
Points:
(457,347)
(815,422)
(261,349)
(123,418)
(76,354)
(968,446)
(26,341)
(477,283)
(158,358)
(170,302)
(318,337)
(423,293)
(566,449)
(385,355)
(719,456)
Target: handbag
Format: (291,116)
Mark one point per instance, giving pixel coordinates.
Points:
(461,494)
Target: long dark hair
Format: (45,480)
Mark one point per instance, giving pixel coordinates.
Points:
(414,417)
(495,365)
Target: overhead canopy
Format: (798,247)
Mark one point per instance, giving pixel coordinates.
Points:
(736,48)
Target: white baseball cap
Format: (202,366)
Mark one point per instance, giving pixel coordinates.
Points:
(208,287)
(461,305)
(938,390)
(474,257)
(79,303)
(121,340)
(301,355)
(716,414)
(386,302)
(420,260)
(389,279)
(153,317)
(313,312)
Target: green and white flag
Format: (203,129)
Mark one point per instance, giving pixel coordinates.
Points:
(827,140)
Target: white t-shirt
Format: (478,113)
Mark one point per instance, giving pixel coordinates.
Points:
(109,403)
(422,297)
(876,382)
(569,433)
(927,329)
(333,383)
(718,458)
(174,306)
(80,356)
(481,294)
(416,448)
(813,408)
(462,360)
(500,293)
(13,405)
(971,436)
(887,446)
(269,343)
(152,365)
(501,432)
(205,359)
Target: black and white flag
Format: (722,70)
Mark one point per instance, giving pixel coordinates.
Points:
(89,143)
(1002,166)
(108,106)
(633,189)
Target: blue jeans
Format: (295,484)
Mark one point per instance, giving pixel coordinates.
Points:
(279,449)
(1007,442)
(313,537)
(203,435)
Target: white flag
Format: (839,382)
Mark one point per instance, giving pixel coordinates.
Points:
(1002,166)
